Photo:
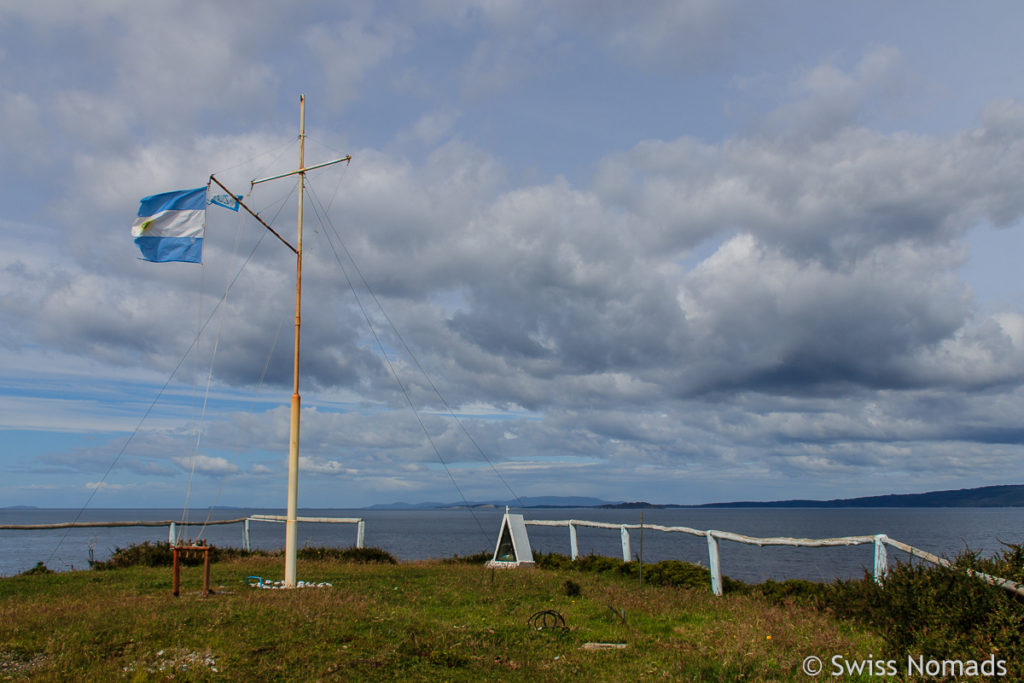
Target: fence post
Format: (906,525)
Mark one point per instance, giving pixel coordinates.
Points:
(176,570)
(246,546)
(881,558)
(171,536)
(626,553)
(573,546)
(713,564)
(206,571)
(360,533)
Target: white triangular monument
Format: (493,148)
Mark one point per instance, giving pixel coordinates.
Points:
(513,547)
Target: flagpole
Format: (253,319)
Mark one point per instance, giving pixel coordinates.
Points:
(291,523)
(291,518)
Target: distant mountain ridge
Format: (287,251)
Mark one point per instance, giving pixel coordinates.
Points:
(525,502)
(1009,495)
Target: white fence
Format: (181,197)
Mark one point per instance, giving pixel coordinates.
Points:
(358,521)
(173,527)
(880,541)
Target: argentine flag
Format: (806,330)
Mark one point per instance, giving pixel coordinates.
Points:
(170,226)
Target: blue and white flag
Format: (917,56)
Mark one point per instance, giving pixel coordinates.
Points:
(170,226)
(227,201)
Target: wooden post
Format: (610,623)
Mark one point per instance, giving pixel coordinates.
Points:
(176,563)
(626,552)
(172,537)
(176,551)
(360,533)
(246,545)
(206,571)
(574,549)
(713,564)
(881,559)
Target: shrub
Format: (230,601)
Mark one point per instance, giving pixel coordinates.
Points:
(664,573)
(481,557)
(552,561)
(40,568)
(792,591)
(351,555)
(929,611)
(159,554)
(1009,564)
(140,555)
(945,613)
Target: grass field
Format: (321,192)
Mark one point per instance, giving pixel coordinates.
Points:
(428,621)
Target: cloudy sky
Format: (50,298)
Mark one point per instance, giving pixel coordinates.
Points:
(677,251)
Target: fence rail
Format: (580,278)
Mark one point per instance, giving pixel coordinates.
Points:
(70,525)
(173,526)
(358,521)
(880,541)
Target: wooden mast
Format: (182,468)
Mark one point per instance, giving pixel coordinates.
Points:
(291,518)
(291,522)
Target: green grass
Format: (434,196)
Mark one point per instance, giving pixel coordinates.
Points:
(429,621)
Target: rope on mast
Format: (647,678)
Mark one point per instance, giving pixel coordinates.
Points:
(394,372)
(415,359)
(159,394)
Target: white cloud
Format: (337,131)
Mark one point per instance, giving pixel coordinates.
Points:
(834,197)
(433,127)
(332,467)
(205,464)
(831,98)
(93,485)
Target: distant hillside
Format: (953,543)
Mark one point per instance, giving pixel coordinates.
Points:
(525,502)
(983,497)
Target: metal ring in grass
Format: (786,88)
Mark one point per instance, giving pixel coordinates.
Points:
(547,619)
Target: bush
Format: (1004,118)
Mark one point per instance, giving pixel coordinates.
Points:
(351,555)
(40,568)
(929,611)
(482,557)
(140,555)
(792,591)
(664,573)
(159,554)
(1008,565)
(945,613)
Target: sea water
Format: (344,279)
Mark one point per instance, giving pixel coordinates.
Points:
(422,534)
